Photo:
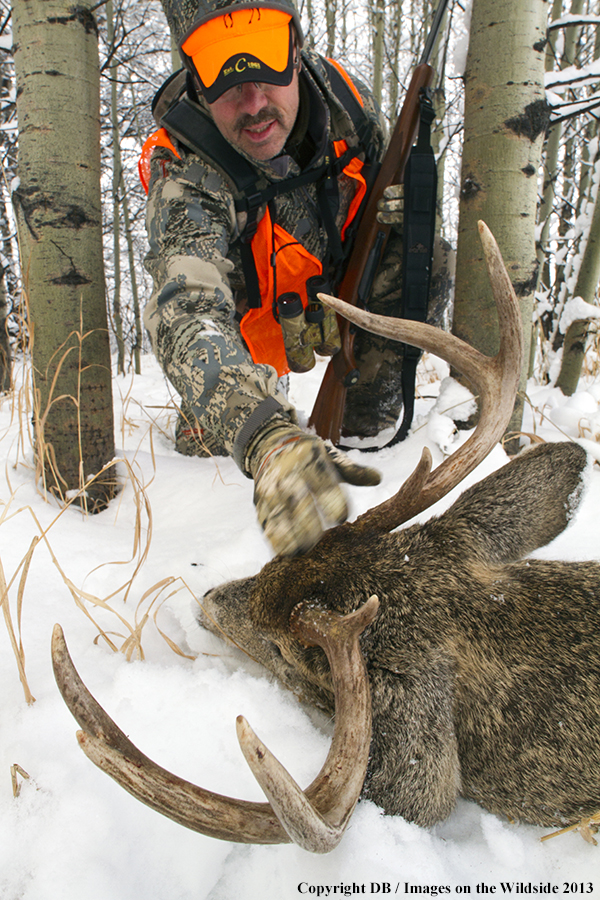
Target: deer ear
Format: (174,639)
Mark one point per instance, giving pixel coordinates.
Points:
(524,505)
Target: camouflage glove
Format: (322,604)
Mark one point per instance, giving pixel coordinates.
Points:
(391,206)
(296,485)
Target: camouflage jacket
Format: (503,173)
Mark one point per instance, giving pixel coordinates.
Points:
(198,282)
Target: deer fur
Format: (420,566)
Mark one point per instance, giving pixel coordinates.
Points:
(484,666)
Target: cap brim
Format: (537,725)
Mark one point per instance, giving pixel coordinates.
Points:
(224,56)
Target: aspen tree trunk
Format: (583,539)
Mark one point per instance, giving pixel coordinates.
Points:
(5,358)
(58,205)
(8,153)
(550,159)
(591,129)
(552,170)
(575,340)
(394,61)
(377,28)
(139,331)
(586,286)
(330,21)
(137,314)
(506,117)
(310,29)
(344,31)
(116,186)
(569,149)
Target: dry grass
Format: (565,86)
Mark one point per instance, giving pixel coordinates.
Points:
(540,416)
(17,645)
(16,770)
(131,619)
(587,828)
(591,361)
(103,486)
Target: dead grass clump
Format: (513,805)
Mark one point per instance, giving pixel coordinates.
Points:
(587,828)
(67,479)
(127,636)
(130,624)
(591,360)
(16,770)
(16,642)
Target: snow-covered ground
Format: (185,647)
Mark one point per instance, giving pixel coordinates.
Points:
(180,526)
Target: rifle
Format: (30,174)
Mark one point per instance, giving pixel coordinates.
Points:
(369,243)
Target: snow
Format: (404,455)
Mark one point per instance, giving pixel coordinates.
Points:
(575,310)
(573,19)
(180,526)
(460,48)
(572,75)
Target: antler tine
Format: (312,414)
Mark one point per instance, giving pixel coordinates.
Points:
(302,822)
(108,748)
(315,819)
(495,380)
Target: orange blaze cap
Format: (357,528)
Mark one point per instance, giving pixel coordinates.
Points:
(244,45)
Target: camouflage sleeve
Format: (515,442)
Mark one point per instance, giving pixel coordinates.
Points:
(190,316)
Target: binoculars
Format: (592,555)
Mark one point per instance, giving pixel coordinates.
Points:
(307,331)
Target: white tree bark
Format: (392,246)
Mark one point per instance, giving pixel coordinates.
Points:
(59,216)
(506,118)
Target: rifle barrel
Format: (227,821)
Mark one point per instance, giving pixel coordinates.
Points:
(433,33)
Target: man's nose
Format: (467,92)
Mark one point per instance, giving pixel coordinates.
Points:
(253,98)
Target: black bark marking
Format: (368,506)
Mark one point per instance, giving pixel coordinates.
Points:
(470,187)
(525,288)
(76,217)
(533,121)
(35,203)
(80,14)
(71,278)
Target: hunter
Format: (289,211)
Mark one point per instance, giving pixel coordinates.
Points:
(255,183)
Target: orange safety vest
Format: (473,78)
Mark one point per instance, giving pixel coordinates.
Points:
(294,264)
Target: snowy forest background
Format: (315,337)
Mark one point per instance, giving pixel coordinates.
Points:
(123,584)
(380,43)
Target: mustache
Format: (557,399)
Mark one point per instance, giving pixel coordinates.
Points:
(265,115)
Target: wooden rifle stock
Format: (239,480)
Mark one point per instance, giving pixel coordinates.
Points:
(328,411)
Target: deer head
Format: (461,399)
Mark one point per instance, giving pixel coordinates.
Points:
(306,620)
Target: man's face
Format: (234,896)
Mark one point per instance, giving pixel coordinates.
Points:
(257,118)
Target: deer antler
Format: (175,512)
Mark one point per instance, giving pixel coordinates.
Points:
(316,818)
(495,379)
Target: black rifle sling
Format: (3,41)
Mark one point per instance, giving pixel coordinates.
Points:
(420,189)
